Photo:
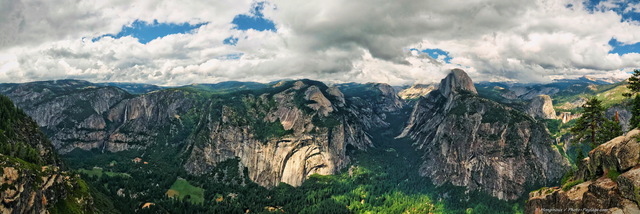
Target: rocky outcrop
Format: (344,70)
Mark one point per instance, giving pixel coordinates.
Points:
(608,181)
(541,106)
(479,144)
(26,189)
(599,196)
(416,91)
(31,179)
(620,154)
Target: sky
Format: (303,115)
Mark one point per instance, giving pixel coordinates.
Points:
(397,42)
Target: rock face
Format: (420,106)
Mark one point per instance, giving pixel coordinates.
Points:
(387,100)
(416,91)
(31,178)
(623,114)
(479,144)
(281,134)
(320,133)
(599,191)
(372,102)
(457,80)
(541,106)
(79,114)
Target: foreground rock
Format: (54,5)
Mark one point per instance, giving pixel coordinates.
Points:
(31,178)
(607,181)
(480,144)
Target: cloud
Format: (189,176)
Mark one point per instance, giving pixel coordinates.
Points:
(35,22)
(330,40)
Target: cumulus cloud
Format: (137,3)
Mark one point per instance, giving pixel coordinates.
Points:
(330,40)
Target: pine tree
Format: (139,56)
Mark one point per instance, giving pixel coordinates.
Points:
(634,86)
(589,124)
(579,156)
(610,129)
(634,122)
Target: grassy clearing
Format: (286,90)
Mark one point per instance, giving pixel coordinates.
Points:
(98,172)
(182,188)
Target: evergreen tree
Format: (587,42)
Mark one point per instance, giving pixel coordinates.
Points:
(634,86)
(610,129)
(589,124)
(634,122)
(579,156)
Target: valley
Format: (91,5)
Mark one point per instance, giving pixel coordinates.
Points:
(301,146)
(382,179)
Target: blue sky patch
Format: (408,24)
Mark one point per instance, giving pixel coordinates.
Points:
(620,7)
(230,41)
(436,53)
(146,32)
(254,20)
(621,49)
(233,56)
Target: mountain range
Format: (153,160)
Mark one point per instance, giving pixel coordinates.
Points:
(143,146)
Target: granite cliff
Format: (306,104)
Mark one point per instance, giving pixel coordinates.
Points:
(541,106)
(479,144)
(316,130)
(282,132)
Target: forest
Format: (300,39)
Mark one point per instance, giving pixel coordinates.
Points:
(379,180)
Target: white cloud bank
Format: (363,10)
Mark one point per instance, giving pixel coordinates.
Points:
(329,40)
